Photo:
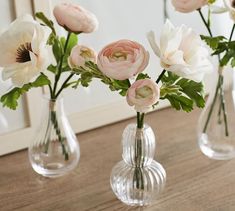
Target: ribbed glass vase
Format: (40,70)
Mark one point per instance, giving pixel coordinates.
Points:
(54,151)
(138,179)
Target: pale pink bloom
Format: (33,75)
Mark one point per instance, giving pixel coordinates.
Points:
(123,59)
(143,94)
(75,18)
(80,55)
(186,6)
(23,50)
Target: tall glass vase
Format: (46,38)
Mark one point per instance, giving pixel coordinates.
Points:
(216,126)
(138,179)
(54,151)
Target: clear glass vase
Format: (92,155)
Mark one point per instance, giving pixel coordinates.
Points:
(138,179)
(216,126)
(54,151)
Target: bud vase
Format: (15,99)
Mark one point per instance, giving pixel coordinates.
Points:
(54,151)
(138,179)
(216,127)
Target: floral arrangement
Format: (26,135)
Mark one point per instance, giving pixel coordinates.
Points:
(221,46)
(119,65)
(182,54)
(27,55)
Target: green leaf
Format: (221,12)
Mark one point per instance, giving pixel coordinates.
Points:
(86,78)
(223,46)
(46,21)
(121,84)
(213,42)
(57,50)
(233,62)
(73,40)
(226,58)
(169,89)
(52,68)
(182,93)
(142,76)
(180,102)
(114,85)
(10,99)
(193,90)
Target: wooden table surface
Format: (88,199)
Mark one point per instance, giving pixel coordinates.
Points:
(194,182)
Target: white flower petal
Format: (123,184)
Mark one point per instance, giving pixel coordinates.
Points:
(24,34)
(153,44)
(183,53)
(218,10)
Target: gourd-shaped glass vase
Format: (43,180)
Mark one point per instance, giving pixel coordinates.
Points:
(216,126)
(138,179)
(54,151)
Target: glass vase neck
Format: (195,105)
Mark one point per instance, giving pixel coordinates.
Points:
(138,145)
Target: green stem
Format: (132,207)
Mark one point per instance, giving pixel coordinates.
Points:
(58,133)
(212,105)
(204,21)
(50,89)
(57,76)
(219,84)
(231,34)
(166,16)
(64,85)
(140,120)
(160,76)
(138,174)
(223,105)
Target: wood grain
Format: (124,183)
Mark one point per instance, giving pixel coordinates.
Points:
(194,182)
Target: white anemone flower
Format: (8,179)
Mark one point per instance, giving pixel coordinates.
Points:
(229,6)
(182,52)
(23,50)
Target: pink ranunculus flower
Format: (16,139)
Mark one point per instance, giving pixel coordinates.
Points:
(75,18)
(143,94)
(186,6)
(80,55)
(123,59)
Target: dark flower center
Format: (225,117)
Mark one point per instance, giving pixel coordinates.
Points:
(233,3)
(22,54)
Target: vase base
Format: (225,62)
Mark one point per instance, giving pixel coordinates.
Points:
(124,185)
(216,151)
(52,170)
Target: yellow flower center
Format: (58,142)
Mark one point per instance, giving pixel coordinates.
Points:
(143,92)
(120,56)
(86,53)
(22,53)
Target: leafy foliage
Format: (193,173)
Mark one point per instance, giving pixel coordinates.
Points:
(213,42)
(92,71)
(222,46)
(46,21)
(142,76)
(10,99)
(182,93)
